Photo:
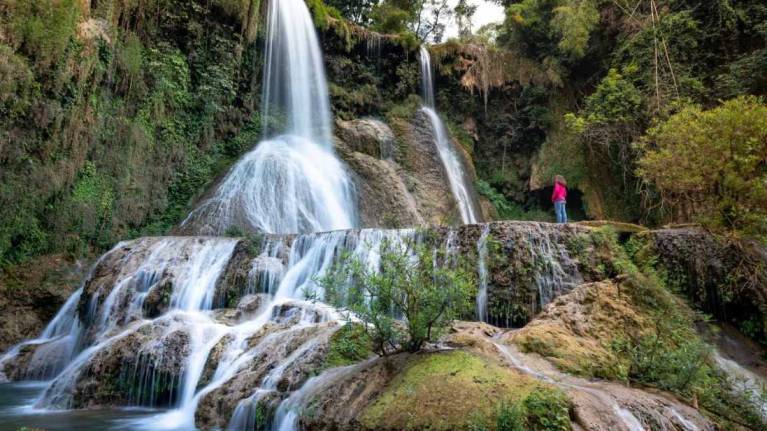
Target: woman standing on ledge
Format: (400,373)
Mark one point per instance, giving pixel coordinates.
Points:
(559,197)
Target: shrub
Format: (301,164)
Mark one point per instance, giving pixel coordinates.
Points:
(509,210)
(349,345)
(426,288)
(709,166)
(510,417)
(547,409)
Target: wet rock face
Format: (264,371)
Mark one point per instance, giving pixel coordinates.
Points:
(367,136)
(529,264)
(32,293)
(142,368)
(426,173)
(282,358)
(367,146)
(723,278)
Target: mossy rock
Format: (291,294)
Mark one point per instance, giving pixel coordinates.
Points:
(619,227)
(445,391)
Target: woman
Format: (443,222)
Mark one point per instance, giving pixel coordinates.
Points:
(559,197)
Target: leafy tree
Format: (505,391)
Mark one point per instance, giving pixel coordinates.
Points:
(464,12)
(357,11)
(424,18)
(408,299)
(711,165)
(393,16)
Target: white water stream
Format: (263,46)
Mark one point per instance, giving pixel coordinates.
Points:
(460,184)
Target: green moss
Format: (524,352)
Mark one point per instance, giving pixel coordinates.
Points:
(426,394)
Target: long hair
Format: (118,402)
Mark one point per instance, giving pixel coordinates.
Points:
(560,179)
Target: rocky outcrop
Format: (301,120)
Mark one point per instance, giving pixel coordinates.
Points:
(726,278)
(425,173)
(31,294)
(367,147)
(367,136)
(409,391)
(400,177)
(140,367)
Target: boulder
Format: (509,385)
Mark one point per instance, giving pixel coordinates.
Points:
(367,136)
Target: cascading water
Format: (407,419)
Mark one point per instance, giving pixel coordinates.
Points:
(291,183)
(482,273)
(460,184)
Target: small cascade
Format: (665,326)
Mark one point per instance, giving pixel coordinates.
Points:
(745,382)
(312,255)
(52,350)
(482,273)
(609,397)
(556,272)
(287,416)
(460,184)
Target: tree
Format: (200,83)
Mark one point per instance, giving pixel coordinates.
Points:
(464,12)
(409,298)
(424,18)
(711,165)
(357,11)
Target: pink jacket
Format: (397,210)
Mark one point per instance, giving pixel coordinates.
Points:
(560,192)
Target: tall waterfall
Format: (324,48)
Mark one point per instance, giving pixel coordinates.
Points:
(291,182)
(460,184)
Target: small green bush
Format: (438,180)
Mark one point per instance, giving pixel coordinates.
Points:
(510,417)
(349,345)
(547,409)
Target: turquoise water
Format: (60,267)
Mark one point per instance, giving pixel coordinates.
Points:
(16,411)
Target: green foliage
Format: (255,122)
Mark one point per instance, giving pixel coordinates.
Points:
(508,210)
(356,11)
(349,345)
(18,88)
(574,21)
(427,289)
(395,16)
(510,417)
(547,409)
(709,164)
(43,28)
(85,116)
(543,409)
(323,13)
(615,100)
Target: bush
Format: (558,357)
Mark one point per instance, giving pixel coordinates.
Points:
(509,210)
(547,409)
(426,288)
(708,166)
(511,417)
(349,345)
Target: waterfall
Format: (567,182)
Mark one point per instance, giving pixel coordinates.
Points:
(482,273)
(292,182)
(460,184)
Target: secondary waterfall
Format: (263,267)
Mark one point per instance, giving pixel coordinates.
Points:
(293,182)
(460,185)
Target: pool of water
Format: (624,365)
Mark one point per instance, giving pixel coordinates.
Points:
(16,411)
